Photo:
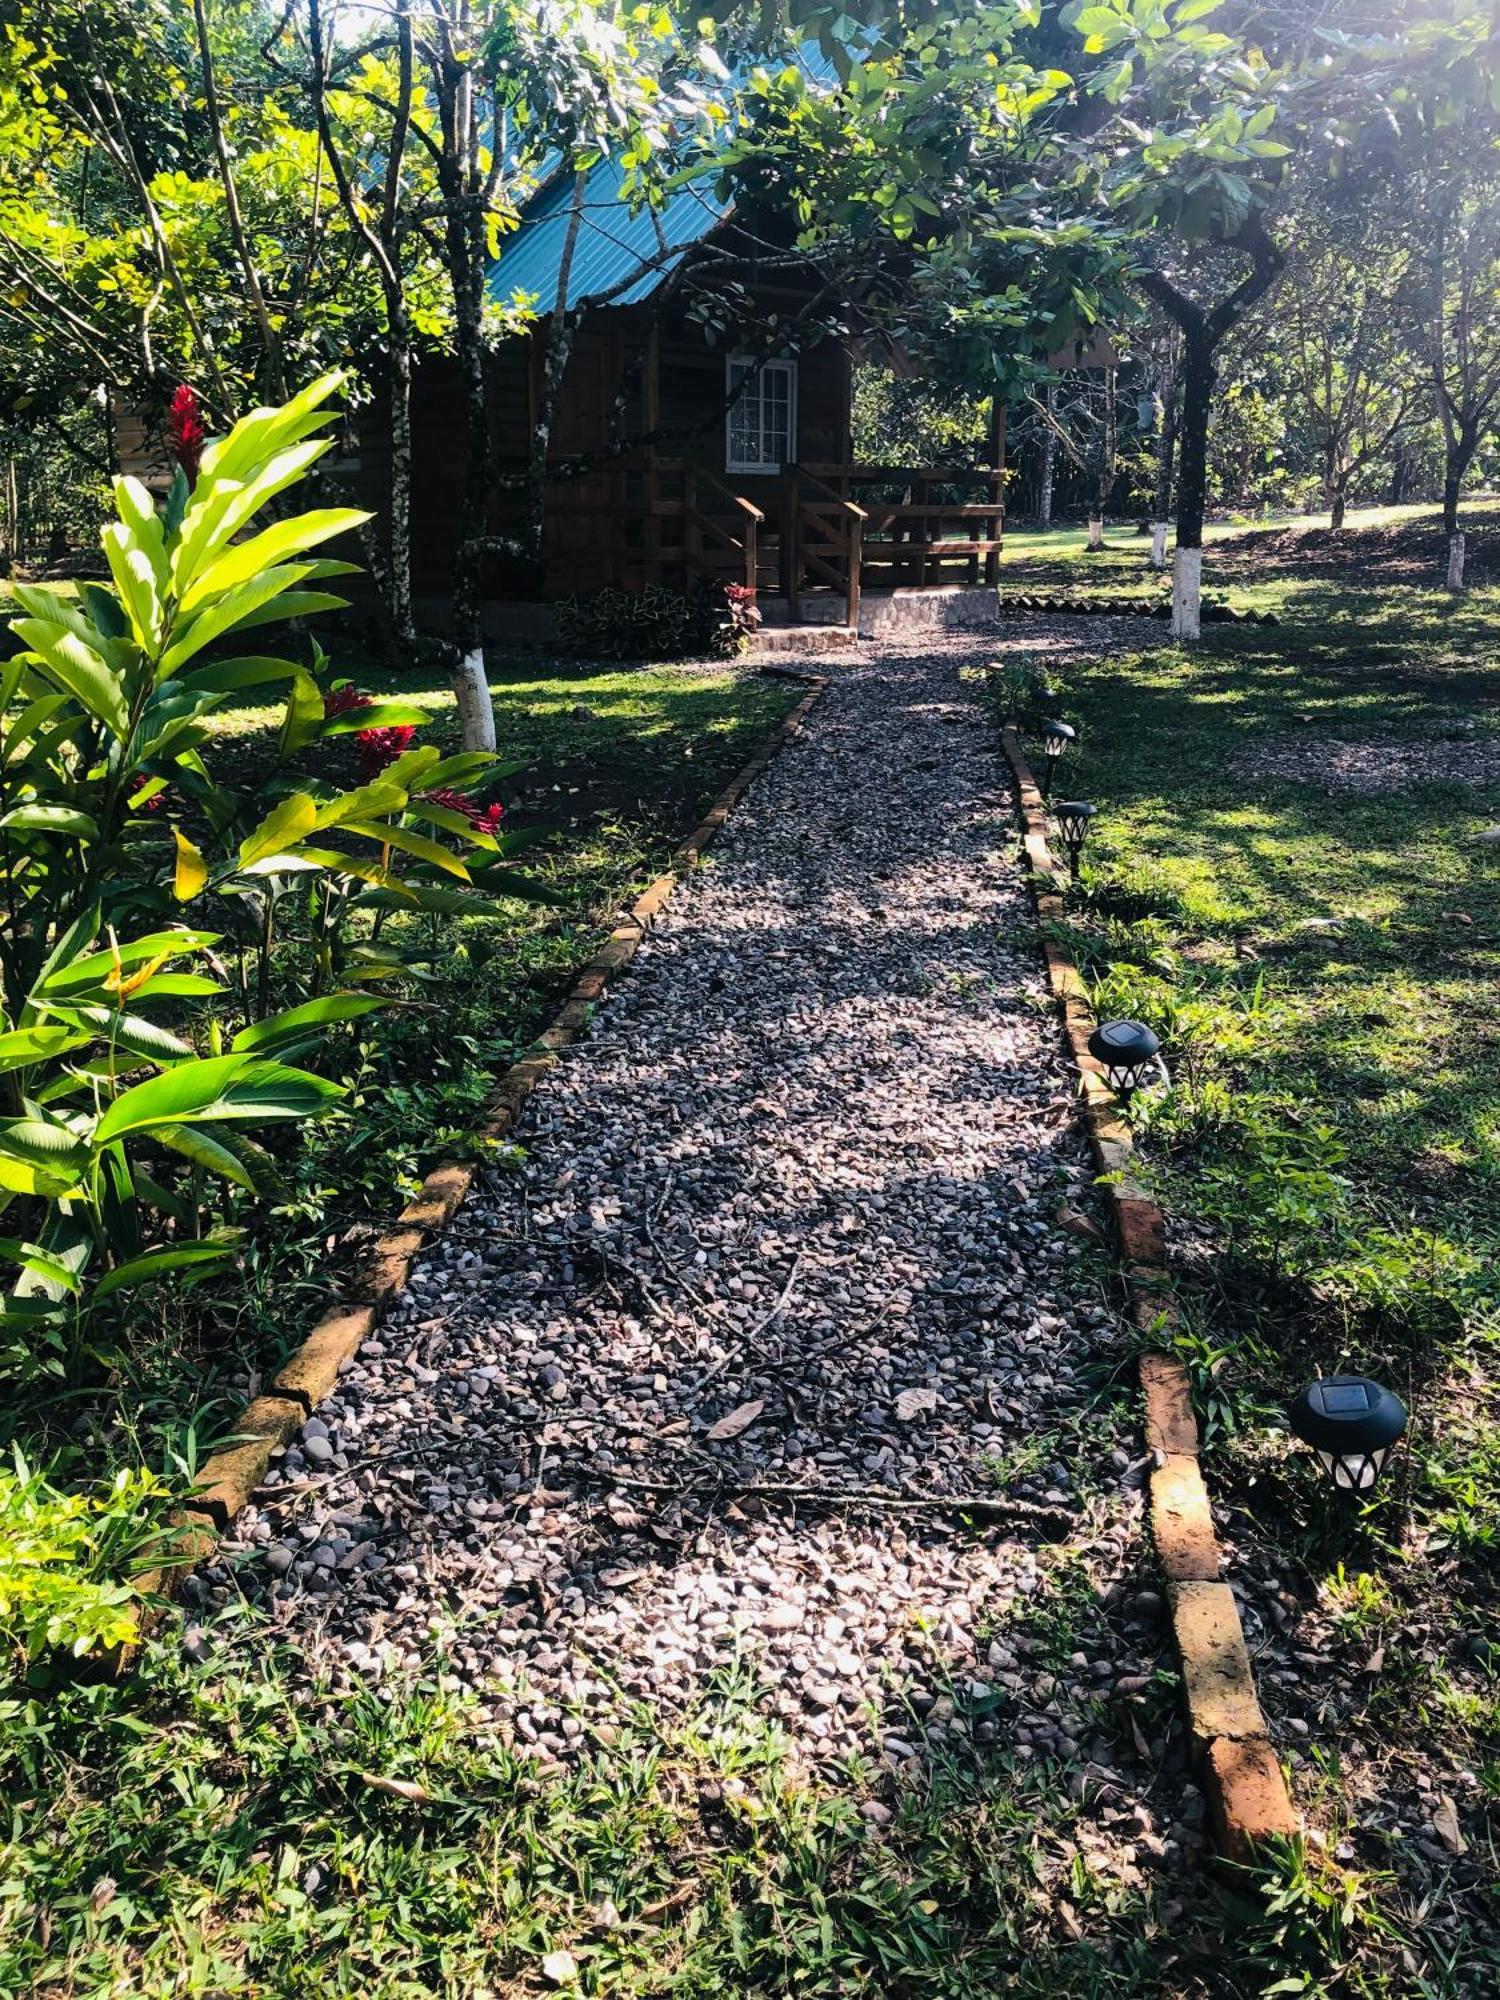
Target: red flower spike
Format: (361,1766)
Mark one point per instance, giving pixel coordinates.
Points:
(185,434)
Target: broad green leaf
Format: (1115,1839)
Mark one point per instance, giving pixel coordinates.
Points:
(191,871)
(411,843)
(132,1032)
(226,614)
(232,1155)
(225,676)
(455,822)
(289,821)
(135,580)
(214,1088)
(39,1262)
(94,968)
(295,1021)
(62,820)
(137,511)
(21,1047)
(292,604)
(40,1158)
(371,801)
(245,560)
(379,715)
(153,1264)
(304,714)
(79,669)
(20,732)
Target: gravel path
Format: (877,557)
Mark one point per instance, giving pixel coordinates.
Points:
(803,1218)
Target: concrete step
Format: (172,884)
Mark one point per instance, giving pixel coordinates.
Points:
(803,639)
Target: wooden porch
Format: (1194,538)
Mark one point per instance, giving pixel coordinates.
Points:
(818,529)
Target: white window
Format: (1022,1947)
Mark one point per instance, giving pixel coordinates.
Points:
(762,421)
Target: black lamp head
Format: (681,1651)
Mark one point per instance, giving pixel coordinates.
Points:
(1056,736)
(1073,817)
(1351,1423)
(1127,1051)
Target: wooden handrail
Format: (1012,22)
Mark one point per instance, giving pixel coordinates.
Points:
(745,506)
(953,474)
(806,472)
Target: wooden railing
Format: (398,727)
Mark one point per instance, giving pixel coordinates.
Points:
(709,548)
(919,539)
(825,541)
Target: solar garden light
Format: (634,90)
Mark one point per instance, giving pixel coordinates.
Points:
(1351,1423)
(1056,736)
(1129,1055)
(1074,817)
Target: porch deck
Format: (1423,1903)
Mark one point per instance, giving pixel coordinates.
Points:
(822,536)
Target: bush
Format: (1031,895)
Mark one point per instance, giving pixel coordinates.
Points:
(659,624)
(61,1555)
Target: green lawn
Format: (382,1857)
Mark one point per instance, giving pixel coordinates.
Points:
(1290,881)
(1283,564)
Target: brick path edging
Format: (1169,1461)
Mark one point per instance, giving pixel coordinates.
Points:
(272,1419)
(1247,1792)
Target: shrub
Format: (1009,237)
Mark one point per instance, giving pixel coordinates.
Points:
(659,624)
(112,1122)
(61,1555)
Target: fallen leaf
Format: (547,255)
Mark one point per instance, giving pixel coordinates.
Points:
(1445,1826)
(102,1894)
(399,1788)
(913,1403)
(738,1420)
(1376,1662)
(616,1579)
(560,1967)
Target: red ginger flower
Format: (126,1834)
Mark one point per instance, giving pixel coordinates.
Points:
(484,819)
(376,748)
(185,435)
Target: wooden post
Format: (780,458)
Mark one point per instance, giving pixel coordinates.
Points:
(692,534)
(997,487)
(856,544)
(924,529)
(650,419)
(752,557)
(794,547)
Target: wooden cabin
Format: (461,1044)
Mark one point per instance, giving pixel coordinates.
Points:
(741,467)
(687,441)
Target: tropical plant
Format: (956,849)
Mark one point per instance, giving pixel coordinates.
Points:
(107,714)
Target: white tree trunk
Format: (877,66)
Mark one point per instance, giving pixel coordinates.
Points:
(1456,561)
(476,712)
(1096,532)
(1187,593)
(1158,544)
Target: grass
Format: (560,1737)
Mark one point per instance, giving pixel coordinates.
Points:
(1324,966)
(193,1834)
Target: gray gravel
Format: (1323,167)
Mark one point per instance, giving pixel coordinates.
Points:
(788,1217)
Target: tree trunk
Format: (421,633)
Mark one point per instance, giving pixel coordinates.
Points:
(1202,331)
(1198,377)
(1400,479)
(1049,463)
(465,254)
(1166,453)
(1462,444)
(1338,501)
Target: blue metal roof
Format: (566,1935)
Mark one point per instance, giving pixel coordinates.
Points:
(613,242)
